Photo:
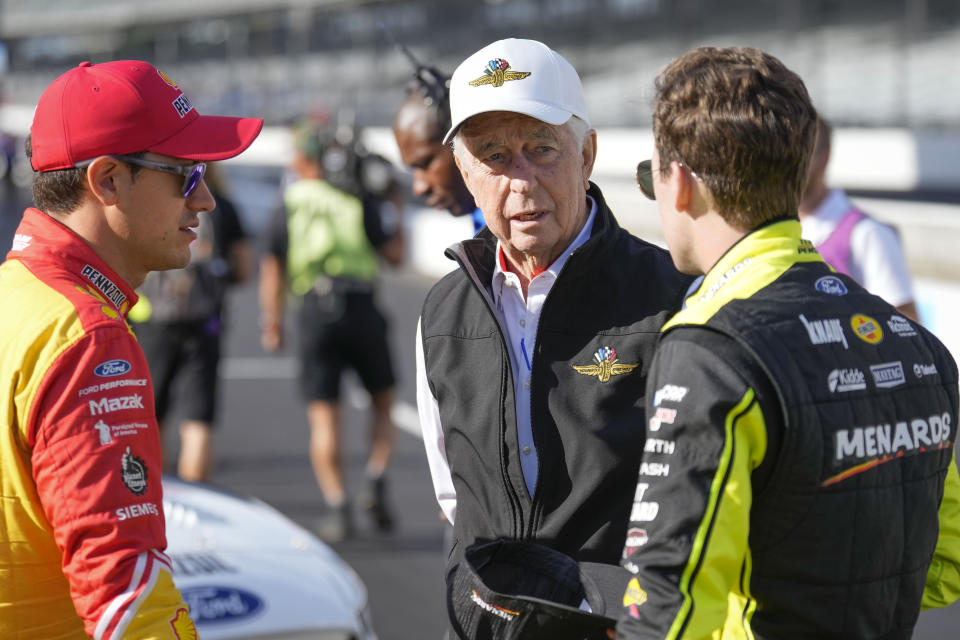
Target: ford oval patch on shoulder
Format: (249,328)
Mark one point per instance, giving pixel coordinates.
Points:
(831,285)
(112,368)
(221,604)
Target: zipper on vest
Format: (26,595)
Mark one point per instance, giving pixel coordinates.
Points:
(458,253)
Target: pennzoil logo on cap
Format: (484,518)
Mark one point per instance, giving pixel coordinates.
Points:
(167,79)
(498,72)
(607,365)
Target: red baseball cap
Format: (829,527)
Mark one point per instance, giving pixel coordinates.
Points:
(123,107)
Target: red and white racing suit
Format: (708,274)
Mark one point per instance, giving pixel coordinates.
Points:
(81,506)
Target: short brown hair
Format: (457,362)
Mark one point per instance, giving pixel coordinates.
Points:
(744,123)
(56,191)
(61,191)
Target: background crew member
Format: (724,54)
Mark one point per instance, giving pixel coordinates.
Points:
(419,126)
(119,154)
(532,355)
(851,241)
(324,245)
(800,431)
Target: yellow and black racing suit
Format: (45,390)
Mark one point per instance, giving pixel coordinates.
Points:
(798,478)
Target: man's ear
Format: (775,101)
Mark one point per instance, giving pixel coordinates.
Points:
(589,153)
(102,176)
(681,187)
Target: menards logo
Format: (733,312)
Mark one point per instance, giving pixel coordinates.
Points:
(109,405)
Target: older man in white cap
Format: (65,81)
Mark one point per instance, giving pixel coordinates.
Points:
(532,356)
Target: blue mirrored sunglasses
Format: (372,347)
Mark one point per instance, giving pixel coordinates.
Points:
(192,173)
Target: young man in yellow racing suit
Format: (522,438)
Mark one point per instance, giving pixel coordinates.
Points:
(798,478)
(119,152)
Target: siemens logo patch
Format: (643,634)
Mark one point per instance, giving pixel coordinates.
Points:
(888,374)
(112,368)
(221,604)
(885,439)
(825,331)
(105,285)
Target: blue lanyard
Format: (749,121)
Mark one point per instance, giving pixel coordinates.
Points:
(523,348)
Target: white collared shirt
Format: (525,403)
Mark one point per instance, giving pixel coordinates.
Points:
(519,318)
(876,256)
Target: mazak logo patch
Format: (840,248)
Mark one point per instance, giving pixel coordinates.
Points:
(606,365)
(134,473)
(888,374)
(841,380)
(831,285)
(497,73)
(105,285)
(112,368)
(109,405)
(824,331)
(866,328)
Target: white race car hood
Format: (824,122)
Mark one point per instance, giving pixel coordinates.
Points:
(247,570)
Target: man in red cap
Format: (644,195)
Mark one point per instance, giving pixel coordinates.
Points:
(119,154)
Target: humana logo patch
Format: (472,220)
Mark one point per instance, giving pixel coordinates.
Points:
(841,380)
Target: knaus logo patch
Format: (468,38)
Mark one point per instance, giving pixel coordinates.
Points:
(109,405)
(888,374)
(841,380)
(825,331)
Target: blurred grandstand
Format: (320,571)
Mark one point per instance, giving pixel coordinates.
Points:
(866,62)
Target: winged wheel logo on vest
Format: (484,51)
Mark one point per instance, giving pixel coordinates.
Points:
(607,365)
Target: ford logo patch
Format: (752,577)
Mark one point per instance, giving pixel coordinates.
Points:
(112,368)
(831,285)
(221,604)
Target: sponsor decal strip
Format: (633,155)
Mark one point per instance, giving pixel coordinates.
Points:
(870,464)
(506,614)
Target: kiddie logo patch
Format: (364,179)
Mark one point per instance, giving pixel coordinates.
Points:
(866,328)
(112,368)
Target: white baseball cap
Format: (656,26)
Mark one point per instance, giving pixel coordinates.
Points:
(523,76)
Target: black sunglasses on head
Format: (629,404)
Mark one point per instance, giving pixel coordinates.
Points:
(645,178)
